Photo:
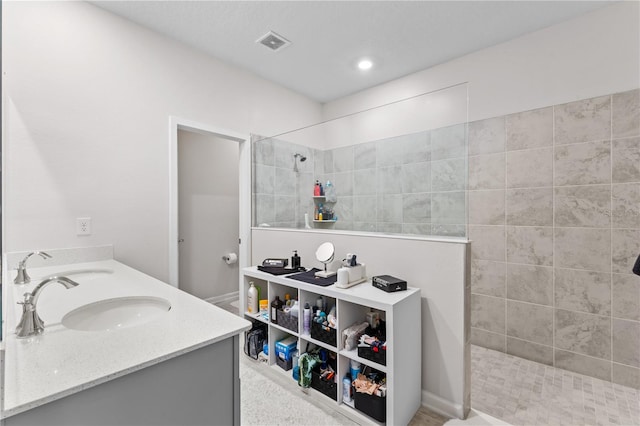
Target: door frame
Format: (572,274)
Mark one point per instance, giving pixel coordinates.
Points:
(244,170)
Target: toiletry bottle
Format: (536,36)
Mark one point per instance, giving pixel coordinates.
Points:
(346,389)
(316,189)
(276,305)
(252,299)
(321,189)
(320,212)
(295,260)
(307,318)
(287,299)
(315,213)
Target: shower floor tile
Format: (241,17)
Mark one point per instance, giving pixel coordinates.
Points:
(523,392)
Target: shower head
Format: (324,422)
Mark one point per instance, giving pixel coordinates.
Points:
(295,161)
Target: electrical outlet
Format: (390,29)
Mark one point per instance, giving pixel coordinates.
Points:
(83,226)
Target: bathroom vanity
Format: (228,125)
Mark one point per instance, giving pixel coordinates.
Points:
(121,348)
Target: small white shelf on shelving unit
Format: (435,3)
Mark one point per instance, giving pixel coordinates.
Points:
(325,221)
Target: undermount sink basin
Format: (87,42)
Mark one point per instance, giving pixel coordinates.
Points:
(85,274)
(115,314)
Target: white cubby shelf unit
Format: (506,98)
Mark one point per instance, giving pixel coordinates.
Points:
(402,315)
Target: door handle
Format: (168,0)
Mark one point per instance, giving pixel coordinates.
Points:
(181,240)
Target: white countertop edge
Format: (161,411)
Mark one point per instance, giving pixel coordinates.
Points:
(59,395)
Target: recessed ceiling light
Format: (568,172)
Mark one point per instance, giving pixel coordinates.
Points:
(365,64)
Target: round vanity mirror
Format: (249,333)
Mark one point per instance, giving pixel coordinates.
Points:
(325,254)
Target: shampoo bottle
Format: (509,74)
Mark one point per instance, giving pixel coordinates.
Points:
(252,299)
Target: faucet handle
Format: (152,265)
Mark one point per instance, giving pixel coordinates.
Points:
(22,277)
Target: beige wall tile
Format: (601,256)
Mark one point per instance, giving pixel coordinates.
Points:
(626,296)
(626,342)
(586,334)
(488,340)
(583,291)
(530,322)
(529,206)
(529,350)
(487,136)
(448,175)
(530,129)
(626,114)
(582,164)
(625,160)
(625,247)
(487,242)
(583,206)
(625,205)
(530,168)
(486,207)
(531,245)
(586,365)
(449,142)
(487,313)
(583,121)
(626,376)
(529,283)
(448,208)
(582,248)
(487,171)
(488,277)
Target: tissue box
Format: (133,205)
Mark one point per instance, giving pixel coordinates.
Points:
(286,347)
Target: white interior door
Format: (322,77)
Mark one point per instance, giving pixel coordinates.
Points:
(208,213)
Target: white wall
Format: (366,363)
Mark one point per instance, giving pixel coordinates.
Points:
(88,97)
(438,268)
(208,193)
(595,54)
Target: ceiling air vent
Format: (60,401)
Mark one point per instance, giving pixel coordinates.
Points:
(273,41)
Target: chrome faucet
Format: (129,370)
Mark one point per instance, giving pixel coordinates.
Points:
(23,277)
(31,324)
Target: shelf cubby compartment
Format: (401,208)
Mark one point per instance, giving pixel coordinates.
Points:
(262,287)
(290,323)
(327,336)
(328,388)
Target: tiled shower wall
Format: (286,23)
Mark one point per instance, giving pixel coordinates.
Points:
(554,216)
(410,184)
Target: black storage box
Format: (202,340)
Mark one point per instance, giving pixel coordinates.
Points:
(388,283)
(329,388)
(371,405)
(367,352)
(320,332)
(287,321)
(285,365)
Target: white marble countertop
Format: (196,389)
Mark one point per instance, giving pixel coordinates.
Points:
(62,361)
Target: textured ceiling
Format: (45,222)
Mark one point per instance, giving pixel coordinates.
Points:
(328,37)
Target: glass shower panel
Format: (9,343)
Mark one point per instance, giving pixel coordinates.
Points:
(400,168)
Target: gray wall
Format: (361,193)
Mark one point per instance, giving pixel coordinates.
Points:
(554,216)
